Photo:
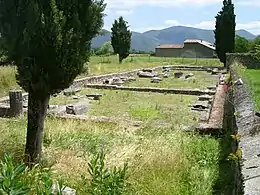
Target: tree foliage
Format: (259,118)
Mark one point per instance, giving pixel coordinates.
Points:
(105,49)
(121,38)
(242,45)
(225,30)
(49,41)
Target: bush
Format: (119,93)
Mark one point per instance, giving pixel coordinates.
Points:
(105,181)
(19,180)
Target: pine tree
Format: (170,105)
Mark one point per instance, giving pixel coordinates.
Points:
(121,38)
(48,41)
(225,30)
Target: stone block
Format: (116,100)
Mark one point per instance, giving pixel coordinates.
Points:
(71,91)
(64,190)
(156,80)
(178,74)
(143,74)
(94,96)
(165,76)
(215,71)
(189,75)
(16,103)
(79,108)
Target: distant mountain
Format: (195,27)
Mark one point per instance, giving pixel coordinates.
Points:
(246,34)
(147,41)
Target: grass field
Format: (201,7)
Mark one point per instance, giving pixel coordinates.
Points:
(163,159)
(103,65)
(200,80)
(252,79)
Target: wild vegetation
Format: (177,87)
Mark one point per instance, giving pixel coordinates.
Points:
(252,79)
(159,156)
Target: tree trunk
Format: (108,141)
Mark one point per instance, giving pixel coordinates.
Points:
(120,59)
(37,109)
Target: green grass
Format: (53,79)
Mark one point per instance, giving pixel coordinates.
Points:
(7,79)
(200,80)
(103,65)
(170,163)
(162,158)
(252,79)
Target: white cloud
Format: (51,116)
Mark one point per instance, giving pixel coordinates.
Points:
(129,4)
(124,12)
(249,3)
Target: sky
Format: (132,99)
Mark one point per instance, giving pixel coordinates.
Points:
(144,15)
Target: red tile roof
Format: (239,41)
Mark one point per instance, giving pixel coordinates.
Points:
(168,46)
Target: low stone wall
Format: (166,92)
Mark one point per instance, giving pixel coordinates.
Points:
(98,79)
(247,59)
(247,126)
(153,89)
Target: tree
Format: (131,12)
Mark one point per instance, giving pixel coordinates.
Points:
(105,49)
(242,45)
(121,38)
(255,44)
(225,30)
(49,41)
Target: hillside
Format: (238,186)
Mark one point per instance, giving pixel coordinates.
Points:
(147,41)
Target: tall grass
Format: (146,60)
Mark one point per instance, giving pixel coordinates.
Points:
(162,158)
(7,79)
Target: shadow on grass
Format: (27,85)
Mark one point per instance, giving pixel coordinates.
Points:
(229,180)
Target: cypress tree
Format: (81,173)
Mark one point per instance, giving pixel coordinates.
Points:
(121,38)
(225,30)
(48,41)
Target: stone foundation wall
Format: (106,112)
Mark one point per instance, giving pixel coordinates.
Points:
(98,79)
(247,59)
(246,126)
(153,89)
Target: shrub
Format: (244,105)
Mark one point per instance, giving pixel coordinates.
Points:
(105,181)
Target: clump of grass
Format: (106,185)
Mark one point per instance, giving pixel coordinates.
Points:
(252,79)
(7,79)
(176,164)
(161,163)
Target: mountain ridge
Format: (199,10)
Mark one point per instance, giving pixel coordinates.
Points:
(147,41)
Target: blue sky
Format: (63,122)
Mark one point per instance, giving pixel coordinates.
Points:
(144,15)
